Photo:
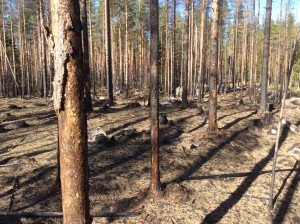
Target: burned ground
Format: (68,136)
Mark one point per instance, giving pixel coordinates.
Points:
(205,178)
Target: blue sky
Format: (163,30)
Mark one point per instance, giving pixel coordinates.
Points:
(294,8)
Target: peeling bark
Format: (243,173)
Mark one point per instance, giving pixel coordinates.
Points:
(69,105)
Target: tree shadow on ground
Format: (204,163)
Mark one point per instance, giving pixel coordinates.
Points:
(216,215)
(229,125)
(204,159)
(141,154)
(284,207)
(242,174)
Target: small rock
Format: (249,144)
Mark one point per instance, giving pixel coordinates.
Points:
(130,132)
(96,134)
(295,152)
(273,131)
(286,122)
(294,128)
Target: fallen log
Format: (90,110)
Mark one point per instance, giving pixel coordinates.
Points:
(60,214)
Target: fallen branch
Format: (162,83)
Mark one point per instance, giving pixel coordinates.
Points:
(28,118)
(11,164)
(60,215)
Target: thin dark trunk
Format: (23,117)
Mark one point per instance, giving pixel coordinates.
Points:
(264,75)
(174,49)
(154,55)
(185,53)
(86,60)
(108,54)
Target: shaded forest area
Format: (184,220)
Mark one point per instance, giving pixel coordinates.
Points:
(219,80)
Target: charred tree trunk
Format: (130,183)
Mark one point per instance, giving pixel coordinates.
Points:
(154,55)
(266,52)
(86,62)
(68,96)
(174,49)
(212,123)
(108,54)
(202,52)
(185,53)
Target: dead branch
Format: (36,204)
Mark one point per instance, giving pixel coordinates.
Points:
(29,118)
(60,215)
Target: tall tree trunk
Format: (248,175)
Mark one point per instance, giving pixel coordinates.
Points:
(256,54)
(140,63)
(212,106)
(44,53)
(202,52)
(174,49)
(191,51)
(286,47)
(91,51)
(4,51)
(185,53)
(236,23)
(108,54)
(251,68)
(86,60)
(154,56)
(68,95)
(244,52)
(21,49)
(264,75)
(126,50)
(166,73)
(13,50)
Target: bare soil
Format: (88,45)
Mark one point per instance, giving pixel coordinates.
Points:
(222,178)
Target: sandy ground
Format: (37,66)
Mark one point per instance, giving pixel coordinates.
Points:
(220,179)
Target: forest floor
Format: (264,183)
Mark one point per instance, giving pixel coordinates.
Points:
(205,178)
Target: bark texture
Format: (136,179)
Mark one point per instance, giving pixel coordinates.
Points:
(212,123)
(266,52)
(108,54)
(185,53)
(154,53)
(70,109)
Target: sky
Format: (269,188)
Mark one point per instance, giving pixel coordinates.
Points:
(294,7)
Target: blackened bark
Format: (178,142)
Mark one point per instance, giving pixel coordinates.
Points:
(108,54)
(264,75)
(70,109)
(174,49)
(86,63)
(212,123)
(185,52)
(154,54)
